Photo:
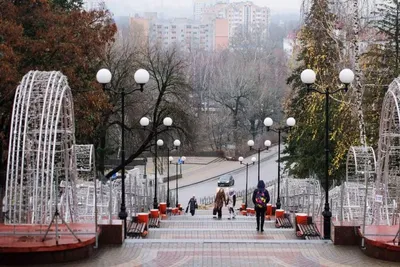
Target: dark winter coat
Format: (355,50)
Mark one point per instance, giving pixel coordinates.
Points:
(192,203)
(260,187)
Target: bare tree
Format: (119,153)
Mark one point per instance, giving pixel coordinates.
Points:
(167,94)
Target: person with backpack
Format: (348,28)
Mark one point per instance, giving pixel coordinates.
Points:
(260,200)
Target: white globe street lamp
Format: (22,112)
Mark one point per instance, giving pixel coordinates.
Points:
(167,121)
(144,121)
(160,142)
(141,76)
(267,143)
(268,122)
(103,76)
(250,143)
(291,122)
(308,76)
(177,143)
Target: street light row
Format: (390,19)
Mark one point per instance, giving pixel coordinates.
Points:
(268,122)
(308,77)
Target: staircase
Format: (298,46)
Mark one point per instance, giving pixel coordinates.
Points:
(202,228)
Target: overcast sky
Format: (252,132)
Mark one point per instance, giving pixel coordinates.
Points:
(179,8)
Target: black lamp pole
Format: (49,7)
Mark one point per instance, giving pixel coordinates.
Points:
(259,159)
(176,184)
(326,213)
(290,123)
(122,214)
(278,200)
(346,77)
(168,177)
(145,122)
(155,202)
(279,132)
(247,175)
(247,181)
(141,77)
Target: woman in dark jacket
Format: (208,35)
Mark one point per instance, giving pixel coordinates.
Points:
(192,205)
(260,200)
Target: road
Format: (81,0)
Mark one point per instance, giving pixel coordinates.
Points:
(268,171)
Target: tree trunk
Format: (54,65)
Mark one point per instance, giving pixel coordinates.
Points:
(359,88)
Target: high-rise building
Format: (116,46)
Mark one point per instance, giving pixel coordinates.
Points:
(242,16)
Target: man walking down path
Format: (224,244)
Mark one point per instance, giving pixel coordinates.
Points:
(260,200)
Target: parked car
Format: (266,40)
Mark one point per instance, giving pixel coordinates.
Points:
(226,180)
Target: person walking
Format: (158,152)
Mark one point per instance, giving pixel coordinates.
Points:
(220,200)
(260,200)
(192,205)
(231,203)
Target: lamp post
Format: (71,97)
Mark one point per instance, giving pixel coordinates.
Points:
(145,122)
(253,160)
(177,143)
(250,143)
(308,77)
(290,122)
(180,161)
(141,77)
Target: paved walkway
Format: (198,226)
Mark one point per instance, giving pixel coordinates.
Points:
(228,254)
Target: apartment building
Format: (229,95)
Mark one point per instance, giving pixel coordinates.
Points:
(186,33)
(243,16)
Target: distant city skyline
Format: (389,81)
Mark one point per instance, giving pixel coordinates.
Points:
(184,8)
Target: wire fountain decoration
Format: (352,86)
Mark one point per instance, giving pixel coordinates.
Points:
(41,150)
(47,173)
(348,200)
(387,184)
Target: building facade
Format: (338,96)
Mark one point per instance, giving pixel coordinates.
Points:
(186,33)
(243,17)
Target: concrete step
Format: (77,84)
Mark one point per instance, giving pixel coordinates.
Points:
(209,217)
(216,224)
(230,234)
(233,241)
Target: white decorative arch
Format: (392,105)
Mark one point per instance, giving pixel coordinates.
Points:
(41,144)
(388,168)
(360,167)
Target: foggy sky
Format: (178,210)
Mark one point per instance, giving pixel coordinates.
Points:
(179,8)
